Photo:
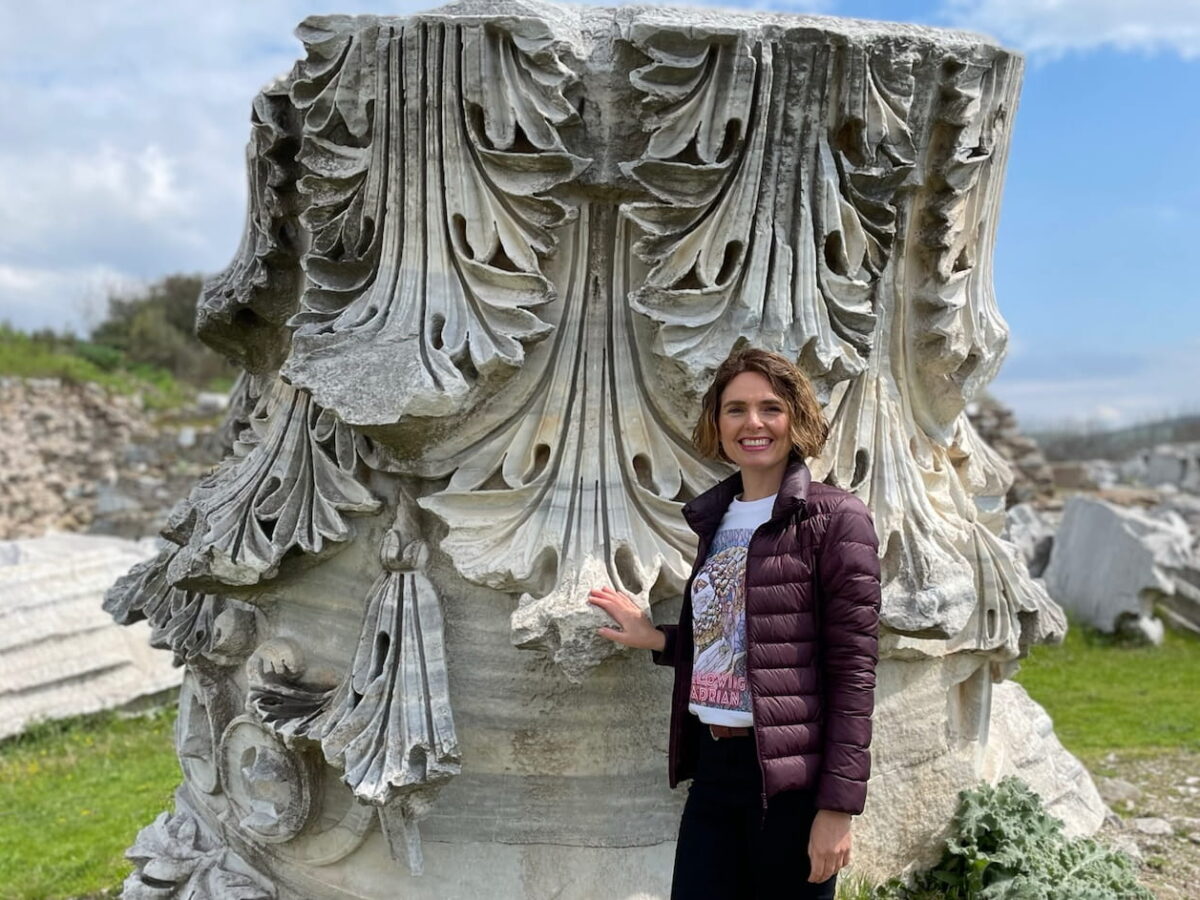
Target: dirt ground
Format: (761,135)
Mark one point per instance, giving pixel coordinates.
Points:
(1156,800)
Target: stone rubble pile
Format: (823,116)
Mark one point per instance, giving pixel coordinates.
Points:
(74,457)
(1086,475)
(60,444)
(1125,548)
(997,425)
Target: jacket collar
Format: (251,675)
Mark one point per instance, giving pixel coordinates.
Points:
(705,512)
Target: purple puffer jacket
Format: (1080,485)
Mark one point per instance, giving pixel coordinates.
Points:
(812,620)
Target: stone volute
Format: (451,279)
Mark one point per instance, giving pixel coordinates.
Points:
(492,255)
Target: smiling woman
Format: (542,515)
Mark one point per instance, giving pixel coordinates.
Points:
(747,421)
(775,650)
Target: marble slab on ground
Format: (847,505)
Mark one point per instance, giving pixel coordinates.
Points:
(61,655)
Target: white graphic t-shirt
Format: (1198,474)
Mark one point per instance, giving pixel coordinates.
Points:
(720,692)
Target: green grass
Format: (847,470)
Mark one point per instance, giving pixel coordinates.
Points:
(74,795)
(78,362)
(1106,695)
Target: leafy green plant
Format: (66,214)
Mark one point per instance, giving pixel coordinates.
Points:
(854,888)
(103,357)
(1004,846)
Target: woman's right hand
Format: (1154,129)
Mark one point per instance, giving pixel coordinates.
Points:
(634,628)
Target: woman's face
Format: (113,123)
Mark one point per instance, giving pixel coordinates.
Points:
(753,423)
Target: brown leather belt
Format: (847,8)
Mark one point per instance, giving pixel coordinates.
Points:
(726,731)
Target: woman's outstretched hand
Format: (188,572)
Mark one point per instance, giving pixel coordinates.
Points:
(634,628)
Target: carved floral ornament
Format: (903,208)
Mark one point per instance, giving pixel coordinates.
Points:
(491,259)
(490,316)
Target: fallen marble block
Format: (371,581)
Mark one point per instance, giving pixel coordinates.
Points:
(1110,564)
(1175,464)
(61,655)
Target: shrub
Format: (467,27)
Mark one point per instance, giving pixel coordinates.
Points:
(154,328)
(102,357)
(1004,846)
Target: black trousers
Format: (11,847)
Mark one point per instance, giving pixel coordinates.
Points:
(727,849)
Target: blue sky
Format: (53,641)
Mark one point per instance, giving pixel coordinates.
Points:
(124,125)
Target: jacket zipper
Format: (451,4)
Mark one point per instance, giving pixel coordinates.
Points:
(762,771)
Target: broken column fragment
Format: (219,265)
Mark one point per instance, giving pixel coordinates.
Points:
(492,256)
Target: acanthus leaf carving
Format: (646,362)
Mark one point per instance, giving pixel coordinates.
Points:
(898,435)
(191,624)
(388,724)
(291,484)
(768,226)
(429,151)
(177,860)
(243,309)
(957,338)
(583,485)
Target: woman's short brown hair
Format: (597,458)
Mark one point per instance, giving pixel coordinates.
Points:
(808,427)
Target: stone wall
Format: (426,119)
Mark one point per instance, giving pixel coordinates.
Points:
(76,457)
(60,444)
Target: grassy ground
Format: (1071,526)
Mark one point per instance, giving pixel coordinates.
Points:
(78,361)
(1106,695)
(72,798)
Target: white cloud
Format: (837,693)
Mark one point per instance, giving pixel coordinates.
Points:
(124,130)
(1137,387)
(145,181)
(1053,27)
(64,299)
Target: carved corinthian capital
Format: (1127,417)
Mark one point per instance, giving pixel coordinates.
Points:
(493,254)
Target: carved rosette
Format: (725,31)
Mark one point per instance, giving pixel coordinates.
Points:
(492,256)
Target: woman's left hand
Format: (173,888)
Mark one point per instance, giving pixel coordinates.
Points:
(828,844)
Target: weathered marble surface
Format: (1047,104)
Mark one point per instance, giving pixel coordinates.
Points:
(492,255)
(60,655)
(1109,563)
